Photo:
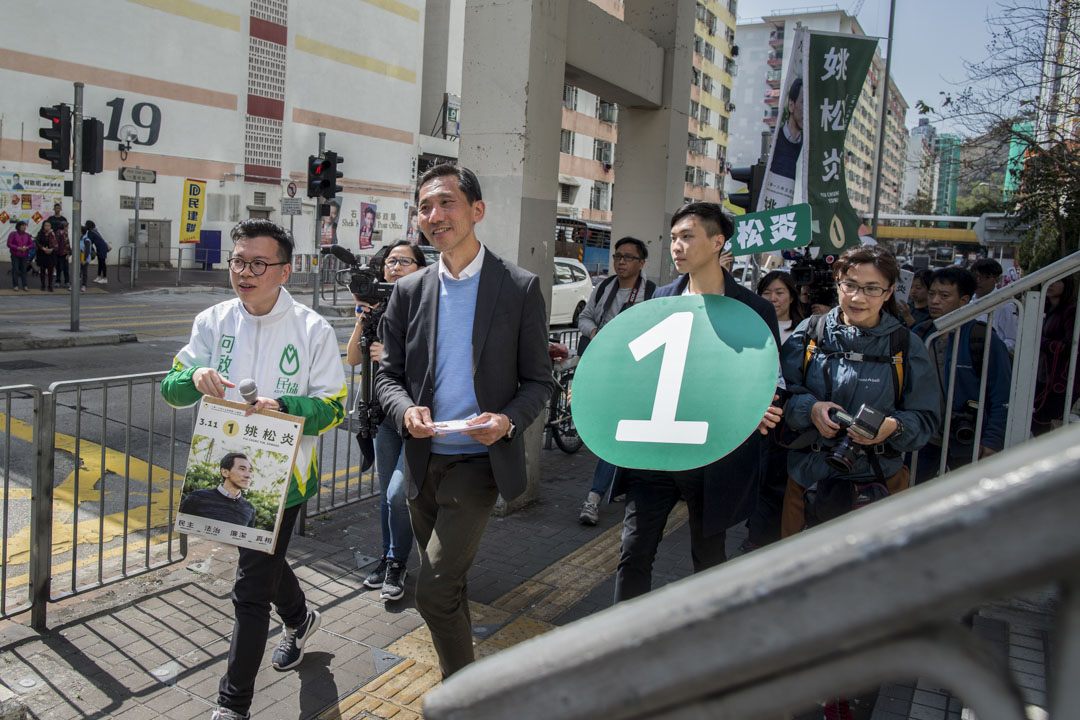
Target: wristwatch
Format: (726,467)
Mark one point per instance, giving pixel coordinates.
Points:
(282,407)
(899,428)
(511,431)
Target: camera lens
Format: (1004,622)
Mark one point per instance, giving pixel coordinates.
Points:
(842,456)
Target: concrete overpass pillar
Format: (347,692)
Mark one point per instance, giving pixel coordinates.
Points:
(512,78)
(650,158)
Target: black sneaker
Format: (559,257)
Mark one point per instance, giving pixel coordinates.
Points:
(290,649)
(393,586)
(375,578)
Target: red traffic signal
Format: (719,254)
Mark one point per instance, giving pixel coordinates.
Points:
(58,133)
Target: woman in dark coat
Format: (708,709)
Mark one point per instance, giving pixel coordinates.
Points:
(46,254)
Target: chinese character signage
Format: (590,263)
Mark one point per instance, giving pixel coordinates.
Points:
(29,197)
(237,475)
(191,210)
(835,69)
(779,229)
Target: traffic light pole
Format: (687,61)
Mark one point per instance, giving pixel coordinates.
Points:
(316,285)
(75,229)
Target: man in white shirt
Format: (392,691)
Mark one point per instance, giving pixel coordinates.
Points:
(987,274)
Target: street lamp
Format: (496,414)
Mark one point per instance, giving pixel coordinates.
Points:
(129,135)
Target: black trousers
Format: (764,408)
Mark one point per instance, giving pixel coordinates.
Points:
(261,579)
(650,497)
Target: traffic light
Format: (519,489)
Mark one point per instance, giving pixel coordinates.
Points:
(93,145)
(314,176)
(58,132)
(323,175)
(753,177)
(330,174)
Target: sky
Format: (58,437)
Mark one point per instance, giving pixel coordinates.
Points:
(931,41)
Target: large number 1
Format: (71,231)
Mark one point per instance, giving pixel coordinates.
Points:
(673,334)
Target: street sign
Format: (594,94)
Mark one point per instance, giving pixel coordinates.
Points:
(291,189)
(675,383)
(127,202)
(779,229)
(138,175)
(291,206)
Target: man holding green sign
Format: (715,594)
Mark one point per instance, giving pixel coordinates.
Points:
(720,493)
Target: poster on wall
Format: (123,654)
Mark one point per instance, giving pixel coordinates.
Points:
(328,229)
(237,476)
(413,233)
(29,197)
(368,212)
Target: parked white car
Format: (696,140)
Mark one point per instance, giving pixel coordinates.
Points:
(570,291)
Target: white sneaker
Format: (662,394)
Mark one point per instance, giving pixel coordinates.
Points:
(590,513)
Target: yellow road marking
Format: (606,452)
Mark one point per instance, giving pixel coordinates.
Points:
(134,547)
(64,310)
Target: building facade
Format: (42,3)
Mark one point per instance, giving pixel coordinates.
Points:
(948,174)
(765,50)
(920,169)
(239,103)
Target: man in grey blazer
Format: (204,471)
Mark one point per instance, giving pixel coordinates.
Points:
(465,337)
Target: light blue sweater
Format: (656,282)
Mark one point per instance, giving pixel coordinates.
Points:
(455,395)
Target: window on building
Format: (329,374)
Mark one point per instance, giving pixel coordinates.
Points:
(723,124)
(696,145)
(699,45)
(602,151)
(701,12)
(732,7)
(704,115)
(695,107)
(729,35)
(710,53)
(695,76)
(706,83)
(569,97)
(725,93)
(566,142)
(607,111)
(730,66)
(710,22)
(601,194)
(566,193)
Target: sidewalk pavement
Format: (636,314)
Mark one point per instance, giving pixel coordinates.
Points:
(156,645)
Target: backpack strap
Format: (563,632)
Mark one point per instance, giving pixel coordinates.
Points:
(815,331)
(650,288)
(899,345)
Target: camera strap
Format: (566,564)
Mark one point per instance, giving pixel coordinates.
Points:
(899,343)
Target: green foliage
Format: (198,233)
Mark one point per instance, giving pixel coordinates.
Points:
(266,507)
(1041,246)
(205,476)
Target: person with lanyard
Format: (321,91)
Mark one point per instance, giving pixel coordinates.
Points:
(626,287)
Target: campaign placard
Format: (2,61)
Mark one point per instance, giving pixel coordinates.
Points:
(675,383)
(237,475)
(778,229)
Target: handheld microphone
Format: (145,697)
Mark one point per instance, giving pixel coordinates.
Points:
(341,254)
(248,390)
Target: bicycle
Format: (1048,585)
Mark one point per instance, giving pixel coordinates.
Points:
(560,422)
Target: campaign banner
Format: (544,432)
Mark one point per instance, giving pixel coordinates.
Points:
(785,170)
(237,475)
(836,67)
(368,213)
(191,210)
(29,197)
(902,291)
(779,229)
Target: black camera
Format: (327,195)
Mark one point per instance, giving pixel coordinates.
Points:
(866,423)
(963,424)
(816,275)
(365,282)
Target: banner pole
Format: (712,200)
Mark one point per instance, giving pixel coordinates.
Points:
(881,122)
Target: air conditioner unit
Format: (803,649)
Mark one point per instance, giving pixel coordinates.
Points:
(734,51)
(730,107)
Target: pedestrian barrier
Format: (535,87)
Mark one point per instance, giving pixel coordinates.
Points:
(93,503)
(871,597)
(1028,296)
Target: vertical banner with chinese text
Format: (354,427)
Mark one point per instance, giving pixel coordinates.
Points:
(836,67)
(191,210)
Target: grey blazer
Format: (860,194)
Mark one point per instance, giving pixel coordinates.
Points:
(510,366)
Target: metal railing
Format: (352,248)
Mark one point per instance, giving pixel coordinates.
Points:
(871,597)
(1028,297)
(92,473)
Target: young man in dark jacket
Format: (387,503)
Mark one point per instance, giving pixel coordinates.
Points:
(952,288)
(722,493)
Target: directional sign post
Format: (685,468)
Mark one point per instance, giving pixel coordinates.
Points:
(778,229)
(138,176)
(675,383)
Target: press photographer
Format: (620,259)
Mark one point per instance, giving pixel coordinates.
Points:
(864,393)
(365,350)
(817,286)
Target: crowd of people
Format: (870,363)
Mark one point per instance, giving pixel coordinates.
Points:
(48,253)
(860,394)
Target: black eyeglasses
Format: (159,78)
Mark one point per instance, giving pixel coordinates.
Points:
(850,288)
(399,261)
(257,267)
(619,256)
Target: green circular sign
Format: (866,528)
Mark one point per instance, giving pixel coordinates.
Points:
(675,383)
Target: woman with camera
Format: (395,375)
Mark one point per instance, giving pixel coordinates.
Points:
(863,394)
(402,259)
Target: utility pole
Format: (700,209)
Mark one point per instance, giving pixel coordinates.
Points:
(318,236)
(881,121)
(75,229)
